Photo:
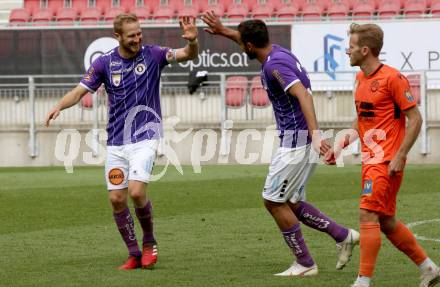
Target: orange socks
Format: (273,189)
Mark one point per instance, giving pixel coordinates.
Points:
(405,241)
(369,246)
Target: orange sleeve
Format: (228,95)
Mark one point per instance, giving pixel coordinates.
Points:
(401,92)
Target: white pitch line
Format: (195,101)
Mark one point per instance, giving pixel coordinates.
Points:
(417,223)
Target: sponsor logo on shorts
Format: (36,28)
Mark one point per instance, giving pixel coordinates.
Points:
(116,176)
(368,187)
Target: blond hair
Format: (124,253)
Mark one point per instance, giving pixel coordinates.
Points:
(121,19)
(370,35)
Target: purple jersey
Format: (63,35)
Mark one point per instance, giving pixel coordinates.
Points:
(279,72)
(132,86)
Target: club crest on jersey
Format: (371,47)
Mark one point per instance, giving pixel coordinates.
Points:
(408,96)
(140,69)
(374,86)
(116,79)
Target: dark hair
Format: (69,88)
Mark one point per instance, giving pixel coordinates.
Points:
(255,32)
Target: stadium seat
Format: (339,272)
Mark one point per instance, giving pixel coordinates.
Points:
(80,5)
(287,10)
(90,15)
(19,17)
(312,11)
(66,16)
(263,11)
(188,10)
(142,12)
(338,10)
(104,5)
(128,5)
(87,101)
(259,96)
(236,88)
(363,9)
(414,82)
(435,9)
(237,11)
(163,13)
(219,9)
(389,9)
(42,16)
(55,6)
(414,8)
(31,6)
(111,13)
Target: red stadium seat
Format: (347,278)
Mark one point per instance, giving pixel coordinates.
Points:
(142,12)
(389,9)
(312,11)
(55,6)
(31,6)
(415,8)
(66,16)
(259,96)
(42,16)
(103,5)
(435,9)
(187,10)
(338,10)
(87,101)
(263,11)
(163,13)
(236,88)
(19,16)
(287,10)
(218,9)
(128,5)
(80,5)
(90,16)
(363,9)
(112,12)
(237,11)
(414,82)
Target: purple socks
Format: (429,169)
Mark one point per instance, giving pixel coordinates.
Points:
(295,241)
(125,224)
(145,216)
(312,217)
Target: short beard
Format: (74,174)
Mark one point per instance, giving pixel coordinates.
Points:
(251,55)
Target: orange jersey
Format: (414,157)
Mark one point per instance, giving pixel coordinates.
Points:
(380,99)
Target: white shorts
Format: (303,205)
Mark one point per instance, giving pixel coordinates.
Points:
(288,174)
(129,162)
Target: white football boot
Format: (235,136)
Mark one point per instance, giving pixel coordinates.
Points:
(298,270)
(345,248)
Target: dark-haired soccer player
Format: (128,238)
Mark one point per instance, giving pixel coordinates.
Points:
(383,101)
(131,75)
(288,86)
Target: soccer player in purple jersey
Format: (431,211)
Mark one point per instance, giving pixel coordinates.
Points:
(289,90)
(131,74)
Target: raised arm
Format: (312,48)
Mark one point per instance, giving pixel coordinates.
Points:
(215,27)
(69,99)
(191,50)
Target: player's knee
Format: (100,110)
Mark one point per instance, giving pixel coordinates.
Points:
(137,194)
(117,199)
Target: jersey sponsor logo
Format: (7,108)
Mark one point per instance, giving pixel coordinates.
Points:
(140,69)
(374,86)
(115,63)
(116,79)
(408,96)
(88,77)
(277,76)
(368,187)
(116,176)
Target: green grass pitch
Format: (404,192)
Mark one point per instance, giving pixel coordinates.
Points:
(57,229)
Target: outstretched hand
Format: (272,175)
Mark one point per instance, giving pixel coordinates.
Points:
(213,22)
(188,26)
(52,115)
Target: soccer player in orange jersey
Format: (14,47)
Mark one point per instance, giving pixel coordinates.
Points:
(383,102)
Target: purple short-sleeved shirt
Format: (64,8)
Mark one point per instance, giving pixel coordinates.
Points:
(132,86)
(279,72)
